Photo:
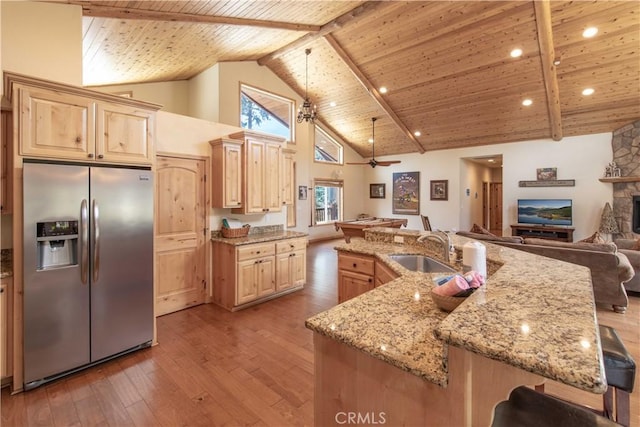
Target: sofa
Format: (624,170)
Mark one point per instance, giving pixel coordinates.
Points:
(631,249)
(610,268)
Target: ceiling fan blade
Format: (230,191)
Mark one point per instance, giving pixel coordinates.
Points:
(387,162)
(358,163)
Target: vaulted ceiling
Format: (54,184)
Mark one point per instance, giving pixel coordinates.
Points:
(446,65)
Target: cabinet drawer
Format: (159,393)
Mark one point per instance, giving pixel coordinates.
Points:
(255,251)
(290,245)
(355,263)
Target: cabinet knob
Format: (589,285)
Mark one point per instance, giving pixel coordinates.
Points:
(90,155)
(78,139)
(101,156)
(257,252)
(354,265)
(369,280)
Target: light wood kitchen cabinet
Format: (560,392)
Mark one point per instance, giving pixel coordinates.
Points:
(261,172)
(384,274)
(6,177)
(5,322)
(291,263)
(358,274)
(288,177)
(64,122)
(355,275)
(226,173)
(247,274)
(124,133)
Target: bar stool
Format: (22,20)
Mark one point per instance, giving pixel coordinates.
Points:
(620,370)
(529,408)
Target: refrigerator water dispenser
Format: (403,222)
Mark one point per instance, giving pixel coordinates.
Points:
(57,244)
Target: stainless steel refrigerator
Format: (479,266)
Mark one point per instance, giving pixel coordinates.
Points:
(88,266)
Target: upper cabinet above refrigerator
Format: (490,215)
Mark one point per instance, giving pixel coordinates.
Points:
(67,123)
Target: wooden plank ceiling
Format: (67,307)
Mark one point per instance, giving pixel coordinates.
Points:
(447,65)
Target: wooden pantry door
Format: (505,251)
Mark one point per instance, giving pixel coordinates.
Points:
(180,233)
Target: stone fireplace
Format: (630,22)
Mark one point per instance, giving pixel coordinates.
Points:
(626,195)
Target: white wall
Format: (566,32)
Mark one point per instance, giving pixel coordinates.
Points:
(173,96)
(42,40)
(582,158)
(204,96)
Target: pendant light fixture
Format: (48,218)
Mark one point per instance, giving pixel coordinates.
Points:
(307,111)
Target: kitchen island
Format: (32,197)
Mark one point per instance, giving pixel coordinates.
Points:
(392,353)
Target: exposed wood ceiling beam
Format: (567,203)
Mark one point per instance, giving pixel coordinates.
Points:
(364,81)
(547,55)
(328,28)
(152,15)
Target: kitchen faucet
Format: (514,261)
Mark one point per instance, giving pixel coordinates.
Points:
(441,237)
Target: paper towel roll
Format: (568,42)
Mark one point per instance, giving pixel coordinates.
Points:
(474,257)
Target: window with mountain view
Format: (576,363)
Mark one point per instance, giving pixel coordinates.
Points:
(266,112)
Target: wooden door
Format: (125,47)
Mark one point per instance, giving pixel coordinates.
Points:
(283,269)
(181,234)
(495,203)
(124,134)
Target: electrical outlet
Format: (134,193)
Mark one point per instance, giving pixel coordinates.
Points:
(398,239)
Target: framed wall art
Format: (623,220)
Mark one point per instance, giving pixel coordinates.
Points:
(546,174)
(302,192)
(377,191)
(406,193)
(440,189)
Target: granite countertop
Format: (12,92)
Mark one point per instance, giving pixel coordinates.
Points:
(6,263)
(536,314)
(259,237)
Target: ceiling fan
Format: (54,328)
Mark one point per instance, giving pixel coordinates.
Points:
(373,162)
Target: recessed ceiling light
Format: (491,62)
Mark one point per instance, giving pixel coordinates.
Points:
(417,133)
(556,61)
(588,91)
(527,102)
(370,140)
(589,32)
(383,89)
(332,104)
(491,160)
(516,53)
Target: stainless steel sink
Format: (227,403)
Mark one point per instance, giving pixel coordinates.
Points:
(421,263)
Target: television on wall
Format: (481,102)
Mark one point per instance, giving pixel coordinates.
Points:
(545,211)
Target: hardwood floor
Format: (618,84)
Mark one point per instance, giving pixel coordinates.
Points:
(213,367)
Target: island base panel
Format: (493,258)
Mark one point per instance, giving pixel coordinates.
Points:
(350,383)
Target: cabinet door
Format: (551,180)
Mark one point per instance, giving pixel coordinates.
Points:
(288,178)
(254,175)
(232,173)
(6,190)
(124,134)
(266,276)
(298,267)
(5,366)
(384,274)
(55,125)
(351,284)
(247,285)
(283,270)
(272,179)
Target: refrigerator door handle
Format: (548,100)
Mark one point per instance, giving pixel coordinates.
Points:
(96,241)
(84,244)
